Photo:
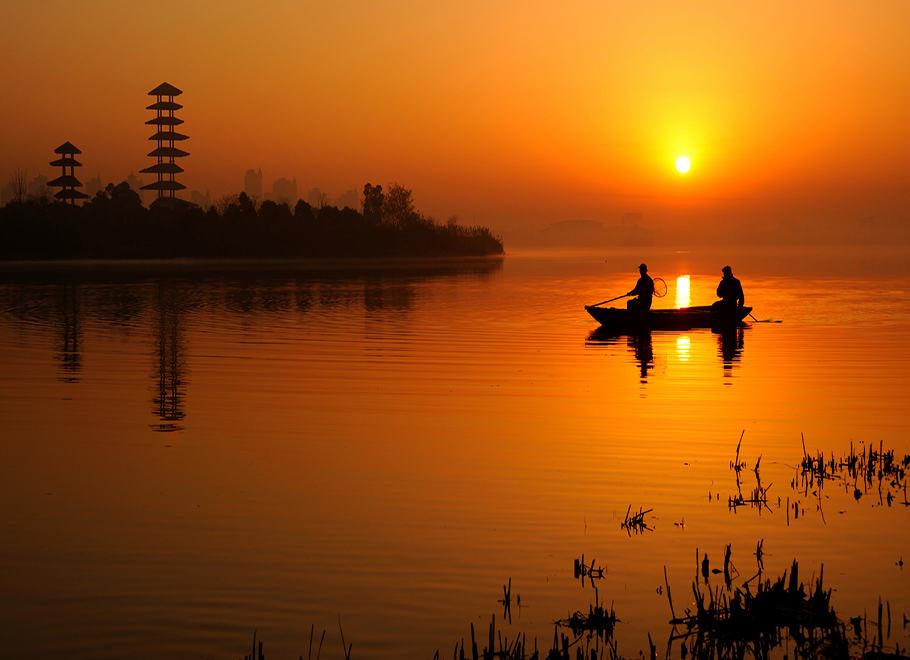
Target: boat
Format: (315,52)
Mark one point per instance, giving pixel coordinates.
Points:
(683,318)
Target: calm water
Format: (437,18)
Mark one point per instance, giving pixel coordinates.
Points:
(191,453)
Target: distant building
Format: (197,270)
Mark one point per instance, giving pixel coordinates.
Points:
(67,182)
(317,199)
(284,191)
(252,184)
(165,121)
(7,193)
(349,199)
(631,219)
(37,187)
(135,183)
(573,233)
(94,186)
(200,200)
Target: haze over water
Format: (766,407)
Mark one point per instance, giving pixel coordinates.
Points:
(190,453)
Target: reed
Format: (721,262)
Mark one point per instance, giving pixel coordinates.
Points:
(635,523)
(730,626)
(598,621)
(592,572)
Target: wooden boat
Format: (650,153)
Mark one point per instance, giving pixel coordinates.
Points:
(669,319)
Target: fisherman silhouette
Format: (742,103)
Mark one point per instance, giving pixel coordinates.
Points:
(730,291)
(644,289)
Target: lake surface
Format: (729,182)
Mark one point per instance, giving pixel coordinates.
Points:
(193,452)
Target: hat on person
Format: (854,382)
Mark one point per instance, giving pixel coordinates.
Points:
(727,269)
(643,266)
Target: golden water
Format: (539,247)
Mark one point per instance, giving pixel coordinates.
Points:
(189,454)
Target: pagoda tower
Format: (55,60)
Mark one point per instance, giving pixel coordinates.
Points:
(165,121)
(67,181)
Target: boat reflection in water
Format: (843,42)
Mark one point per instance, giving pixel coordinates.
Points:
(639,343)
(730,343)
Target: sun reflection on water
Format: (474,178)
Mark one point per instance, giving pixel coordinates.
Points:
(682,291)
(682,348)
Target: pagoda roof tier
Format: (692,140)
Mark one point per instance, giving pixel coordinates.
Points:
(67,148)
(164,185)
(168,152)
(169,135)
(162,168)
(163,121)
(70,194)
(165,89)
(164,105)
(66,162)
(65,180)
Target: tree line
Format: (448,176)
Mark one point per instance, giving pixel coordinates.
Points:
(114,224)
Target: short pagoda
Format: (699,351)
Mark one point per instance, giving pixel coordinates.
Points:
(67,181)
(166,136)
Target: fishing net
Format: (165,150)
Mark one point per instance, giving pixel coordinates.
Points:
(660,287)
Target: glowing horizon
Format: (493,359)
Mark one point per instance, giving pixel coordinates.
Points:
(504,117)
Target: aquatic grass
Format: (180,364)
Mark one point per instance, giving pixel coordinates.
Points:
(514,650)
(506,601)
(727,626)
(758,496)
(761,619)
(592,572)
(860,472)
(598,621)
(635,523)
(864,471)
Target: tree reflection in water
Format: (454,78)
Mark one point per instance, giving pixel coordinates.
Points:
(167,402)
(70,333)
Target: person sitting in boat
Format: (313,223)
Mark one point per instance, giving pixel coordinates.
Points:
(730,290)
(644,289)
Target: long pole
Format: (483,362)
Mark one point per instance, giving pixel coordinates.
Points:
(611,300)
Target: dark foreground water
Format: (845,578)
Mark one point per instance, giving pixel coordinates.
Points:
(190,452)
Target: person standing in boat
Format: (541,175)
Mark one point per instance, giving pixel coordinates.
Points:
(730,290)
(644,289)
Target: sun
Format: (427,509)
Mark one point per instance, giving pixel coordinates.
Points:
(682,165)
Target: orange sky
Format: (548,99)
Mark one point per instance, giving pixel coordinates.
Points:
(504,113)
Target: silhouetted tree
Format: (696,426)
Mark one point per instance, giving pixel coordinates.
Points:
(19,183)
(274,212)
(120,200)
(372,203)
(247,205)
(303,210)
(115,224)
(318,199)
(398,207)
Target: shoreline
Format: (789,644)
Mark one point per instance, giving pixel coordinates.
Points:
(209,264)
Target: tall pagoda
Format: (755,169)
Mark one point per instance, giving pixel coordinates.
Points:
(166,136)
(67,182)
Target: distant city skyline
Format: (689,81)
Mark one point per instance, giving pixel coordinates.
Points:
(283,190)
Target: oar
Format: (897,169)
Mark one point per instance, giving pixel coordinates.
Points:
(611,300)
